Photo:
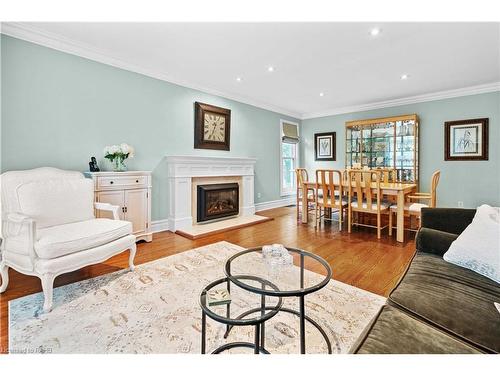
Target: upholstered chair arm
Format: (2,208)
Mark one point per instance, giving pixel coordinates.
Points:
(108,207)
(23,229)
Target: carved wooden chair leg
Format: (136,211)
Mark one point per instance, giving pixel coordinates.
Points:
(131,257)
(4,272)
(48,289)
(390,223)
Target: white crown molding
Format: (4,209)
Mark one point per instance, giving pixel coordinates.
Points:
(471,90)
(57,42)
(31,34)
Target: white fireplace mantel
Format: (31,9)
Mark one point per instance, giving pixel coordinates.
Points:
(181,171)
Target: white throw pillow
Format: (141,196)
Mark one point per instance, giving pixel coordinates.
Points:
(478,246)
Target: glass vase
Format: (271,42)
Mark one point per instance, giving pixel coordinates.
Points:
(119,165)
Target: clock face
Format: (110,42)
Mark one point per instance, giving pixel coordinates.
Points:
(214,127)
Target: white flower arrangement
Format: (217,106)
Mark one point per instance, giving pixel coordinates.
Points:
(123,151)
(117,154)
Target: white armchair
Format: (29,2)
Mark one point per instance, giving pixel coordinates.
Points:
(49,227)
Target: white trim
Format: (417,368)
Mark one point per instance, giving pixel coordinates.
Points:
(275,204)
(34,35)
(448,94)
(159,226)
(162,225)
(297,154)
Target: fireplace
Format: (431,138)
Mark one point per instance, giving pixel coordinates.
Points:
(217,200)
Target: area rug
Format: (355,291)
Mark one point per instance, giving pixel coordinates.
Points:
(155,309)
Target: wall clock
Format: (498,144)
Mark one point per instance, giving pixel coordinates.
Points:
(212,127)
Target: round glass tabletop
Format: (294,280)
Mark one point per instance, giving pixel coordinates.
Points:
(291,278)
(227,303)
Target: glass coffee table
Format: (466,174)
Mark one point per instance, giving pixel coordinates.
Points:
(250,271)
(256,315)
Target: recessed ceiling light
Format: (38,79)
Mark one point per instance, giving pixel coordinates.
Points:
(404,76)
(321,94)
(375,31)
(238,79)
(270,69)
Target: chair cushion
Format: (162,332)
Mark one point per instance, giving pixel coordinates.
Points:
(453,298)
(66,239)
(410,206)
(56,202)
(395,332)
(383,205)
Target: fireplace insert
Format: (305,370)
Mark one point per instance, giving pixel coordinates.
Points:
(217,200)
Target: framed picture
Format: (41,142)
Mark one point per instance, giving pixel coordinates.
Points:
(212,127)
(466,139)
(324,146)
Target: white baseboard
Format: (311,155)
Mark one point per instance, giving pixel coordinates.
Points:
(162,225)
(275,204)
(159,226)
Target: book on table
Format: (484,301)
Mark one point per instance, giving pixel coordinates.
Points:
(218,297)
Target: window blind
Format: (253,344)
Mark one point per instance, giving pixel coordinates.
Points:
(290,133)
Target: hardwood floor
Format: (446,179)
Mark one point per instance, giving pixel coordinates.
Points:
(358,258)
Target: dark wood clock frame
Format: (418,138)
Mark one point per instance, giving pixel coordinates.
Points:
(199,142)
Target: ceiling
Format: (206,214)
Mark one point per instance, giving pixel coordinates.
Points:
(341,60)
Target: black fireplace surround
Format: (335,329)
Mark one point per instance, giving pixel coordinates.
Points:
(217,200)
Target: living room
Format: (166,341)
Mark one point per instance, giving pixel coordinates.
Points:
(250,187)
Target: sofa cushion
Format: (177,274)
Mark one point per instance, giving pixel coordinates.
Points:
(65,239)
(394,332)
(56,202)
(453,298)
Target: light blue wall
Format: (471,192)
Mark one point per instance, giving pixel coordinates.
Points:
(472,182)
(59,109)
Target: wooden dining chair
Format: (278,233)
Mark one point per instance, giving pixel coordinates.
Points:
(388,174)
(329,194)
(302,177)
(413,208)
(365,196)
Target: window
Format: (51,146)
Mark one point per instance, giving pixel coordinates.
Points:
(289,156)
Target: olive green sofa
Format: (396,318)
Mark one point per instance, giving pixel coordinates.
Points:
(437,307)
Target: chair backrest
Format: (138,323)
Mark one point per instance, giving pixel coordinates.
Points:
(50,196)
(365,188)
(387,174)
(301,176)
(434,184)
(329,181)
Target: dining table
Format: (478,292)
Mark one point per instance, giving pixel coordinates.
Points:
(397,189)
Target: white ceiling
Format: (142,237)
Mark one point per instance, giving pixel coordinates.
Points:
(342,60)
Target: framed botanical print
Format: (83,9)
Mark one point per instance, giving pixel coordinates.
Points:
(466,139)
(324,146)
(212,127)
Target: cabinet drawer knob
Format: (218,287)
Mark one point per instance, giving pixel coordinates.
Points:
(137,181)
(111,182)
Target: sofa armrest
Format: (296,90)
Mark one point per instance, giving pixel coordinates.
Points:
(434,241)
(451,220)
(108,207)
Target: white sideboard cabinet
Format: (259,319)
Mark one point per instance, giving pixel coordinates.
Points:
(131,191)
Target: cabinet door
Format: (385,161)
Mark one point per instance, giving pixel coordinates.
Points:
(136,211)
(112,197)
